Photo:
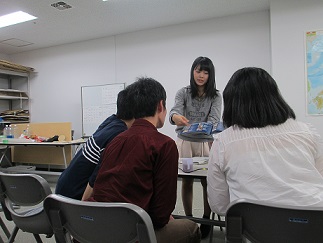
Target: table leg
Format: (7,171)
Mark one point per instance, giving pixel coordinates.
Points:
(64,156)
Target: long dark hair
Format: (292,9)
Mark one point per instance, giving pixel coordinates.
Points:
(252,99)
(205,64)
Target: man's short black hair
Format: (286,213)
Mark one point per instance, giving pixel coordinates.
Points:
(124,106)
(145,94)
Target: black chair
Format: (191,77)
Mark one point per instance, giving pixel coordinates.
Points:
(22,198)
(264,222)
(98,221)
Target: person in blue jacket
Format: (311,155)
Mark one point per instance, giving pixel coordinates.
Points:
(81,172)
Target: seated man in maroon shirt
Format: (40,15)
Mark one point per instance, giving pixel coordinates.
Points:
(140,166)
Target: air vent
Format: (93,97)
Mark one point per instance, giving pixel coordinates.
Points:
(61,5)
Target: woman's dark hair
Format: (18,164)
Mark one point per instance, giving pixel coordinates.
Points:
(204,64)
(252,99)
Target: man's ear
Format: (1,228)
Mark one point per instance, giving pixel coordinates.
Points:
(160,106)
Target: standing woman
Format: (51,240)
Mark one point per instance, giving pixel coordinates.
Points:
(198,102)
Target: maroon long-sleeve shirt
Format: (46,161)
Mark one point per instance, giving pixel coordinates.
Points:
(140,166)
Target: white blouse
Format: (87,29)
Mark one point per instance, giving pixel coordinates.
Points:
(281,164)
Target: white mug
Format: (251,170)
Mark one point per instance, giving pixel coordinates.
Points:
(187,164)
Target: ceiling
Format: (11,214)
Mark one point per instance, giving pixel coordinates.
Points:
(91,19)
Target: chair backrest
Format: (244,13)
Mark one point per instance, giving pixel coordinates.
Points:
(266,222)
(24,189)
(22,197)
(98,221)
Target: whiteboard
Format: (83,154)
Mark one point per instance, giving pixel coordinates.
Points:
(98,103)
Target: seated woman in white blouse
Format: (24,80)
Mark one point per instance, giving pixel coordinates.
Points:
(264,154)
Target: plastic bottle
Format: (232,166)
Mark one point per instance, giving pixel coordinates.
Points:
(9,132)
(15,131)
(28,131)
(6,131)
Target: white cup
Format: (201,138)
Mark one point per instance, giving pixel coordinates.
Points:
(187,164)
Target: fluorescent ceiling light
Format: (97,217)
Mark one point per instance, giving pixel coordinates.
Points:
(15,18)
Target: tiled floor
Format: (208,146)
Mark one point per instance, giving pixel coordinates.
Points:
(218,236)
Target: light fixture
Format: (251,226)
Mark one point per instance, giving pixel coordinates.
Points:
(15,18)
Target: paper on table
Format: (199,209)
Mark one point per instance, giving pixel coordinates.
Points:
(198,160)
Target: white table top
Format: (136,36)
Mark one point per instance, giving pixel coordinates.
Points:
(29,143)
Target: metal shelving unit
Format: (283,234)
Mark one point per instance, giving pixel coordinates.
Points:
(14,96)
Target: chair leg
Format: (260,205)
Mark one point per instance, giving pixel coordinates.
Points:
(219,218)
(211,233)
(38,239)
(4,228)
(13,235)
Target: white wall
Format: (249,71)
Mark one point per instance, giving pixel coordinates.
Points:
(168,53)
(165,54)
(55,90)
(290,20)
(4,57)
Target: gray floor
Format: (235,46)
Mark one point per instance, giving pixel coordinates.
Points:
(218,236)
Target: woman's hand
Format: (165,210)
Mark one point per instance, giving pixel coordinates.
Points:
(180,120)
